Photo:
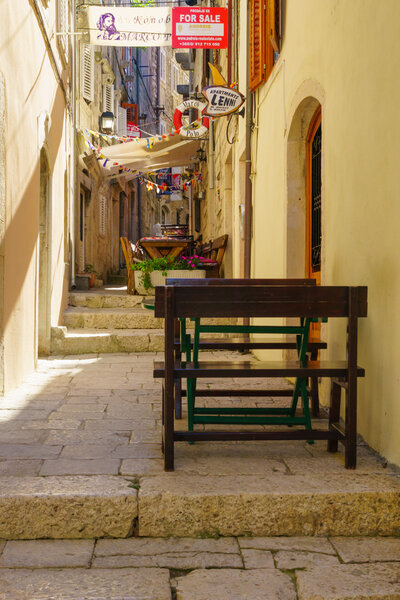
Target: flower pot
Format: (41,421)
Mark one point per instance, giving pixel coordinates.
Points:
(157,278)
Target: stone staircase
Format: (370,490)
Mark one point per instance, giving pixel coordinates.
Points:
(104,321)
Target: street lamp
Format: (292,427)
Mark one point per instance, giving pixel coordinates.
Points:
(107,122)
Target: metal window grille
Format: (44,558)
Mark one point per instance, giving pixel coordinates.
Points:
(316,202)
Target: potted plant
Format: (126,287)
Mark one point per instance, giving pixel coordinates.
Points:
(93,273)
(153,271)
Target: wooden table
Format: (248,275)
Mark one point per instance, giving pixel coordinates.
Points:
(157,247)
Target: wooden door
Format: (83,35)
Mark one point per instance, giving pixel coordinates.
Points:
(313,204)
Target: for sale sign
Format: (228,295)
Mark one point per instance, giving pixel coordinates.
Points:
(132,130)
(194,27)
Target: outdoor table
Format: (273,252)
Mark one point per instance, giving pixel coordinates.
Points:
(157,247)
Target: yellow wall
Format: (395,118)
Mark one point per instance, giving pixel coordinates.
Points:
(31,89)
(344,55)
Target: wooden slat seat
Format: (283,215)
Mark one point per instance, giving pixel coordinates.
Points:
(283,368)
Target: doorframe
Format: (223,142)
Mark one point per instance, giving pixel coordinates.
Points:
(43,340)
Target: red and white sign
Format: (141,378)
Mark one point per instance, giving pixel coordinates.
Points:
(194,27)
(132,130)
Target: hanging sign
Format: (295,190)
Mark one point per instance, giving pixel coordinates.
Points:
(194,27)
(196,129)
(129,26)
(132,130)
(222,100)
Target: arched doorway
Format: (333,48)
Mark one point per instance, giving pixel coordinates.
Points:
(301,169)
(313,198)
(44,257)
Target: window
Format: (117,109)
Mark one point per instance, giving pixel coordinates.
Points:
(163,66)
(132,111)
(174,77)
(87,72)
(264,39)
(62,25)
(108,98)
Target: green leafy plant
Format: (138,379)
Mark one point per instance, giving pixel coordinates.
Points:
(91,269)
(164,264)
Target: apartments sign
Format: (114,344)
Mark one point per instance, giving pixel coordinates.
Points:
(222,100)
(199,27)
(129,26)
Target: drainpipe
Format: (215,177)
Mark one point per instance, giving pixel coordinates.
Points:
(248,209)
(139,196)
(73,165)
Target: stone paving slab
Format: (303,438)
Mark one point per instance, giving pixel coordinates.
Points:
(83,584)
(66,507)
(47,553)
(362,550)
(350,582)
(215,584)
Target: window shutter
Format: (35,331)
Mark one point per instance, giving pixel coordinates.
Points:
(108,98)
(257,43)
(62,23)
(102,214)
(275,24)
(121,121)
(132,112)
(87,72)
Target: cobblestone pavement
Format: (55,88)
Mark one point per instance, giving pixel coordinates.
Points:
(273,568)
(99,415)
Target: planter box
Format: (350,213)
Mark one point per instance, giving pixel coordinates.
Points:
(157,278)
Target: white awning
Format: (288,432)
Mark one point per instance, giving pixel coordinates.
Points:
(174,151)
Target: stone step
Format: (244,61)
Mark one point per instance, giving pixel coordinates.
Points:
(111,318)
(187,505)
(102,299)
(65,341)
(67,507)
(315,504)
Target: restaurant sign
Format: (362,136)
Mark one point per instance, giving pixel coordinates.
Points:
(129,26)
(221,100)
(199,27)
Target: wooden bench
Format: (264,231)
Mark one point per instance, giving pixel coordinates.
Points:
(240,342)
(181,302)
(214,252)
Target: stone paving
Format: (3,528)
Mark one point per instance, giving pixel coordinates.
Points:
(80,457)
(274,568)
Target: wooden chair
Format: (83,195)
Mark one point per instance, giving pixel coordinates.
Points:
(306,302)
(128,254)
(214,252)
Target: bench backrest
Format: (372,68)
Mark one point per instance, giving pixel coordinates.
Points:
(215,250)
(238,282)
(174,301)
(127,250)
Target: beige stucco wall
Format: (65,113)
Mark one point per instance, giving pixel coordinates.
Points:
(31,90)
(345,55)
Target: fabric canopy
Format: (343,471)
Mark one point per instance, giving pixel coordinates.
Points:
(174,151)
